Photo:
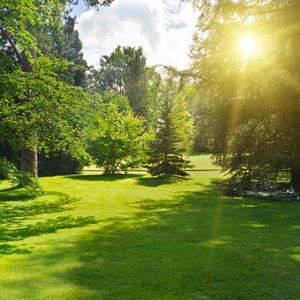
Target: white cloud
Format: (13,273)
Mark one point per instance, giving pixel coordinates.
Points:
(163,28)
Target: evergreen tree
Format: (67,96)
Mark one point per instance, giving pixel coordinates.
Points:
(248,93)
(165,154)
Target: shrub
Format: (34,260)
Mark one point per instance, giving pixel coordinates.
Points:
(20,178)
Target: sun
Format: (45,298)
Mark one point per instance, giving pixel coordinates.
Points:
(247,45)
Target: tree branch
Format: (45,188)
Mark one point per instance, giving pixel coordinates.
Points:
(11,43)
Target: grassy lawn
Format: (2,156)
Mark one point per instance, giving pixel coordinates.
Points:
(133,237)
(200,163)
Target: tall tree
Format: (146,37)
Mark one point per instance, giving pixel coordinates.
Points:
(125,72)
(20,21)
(63,42)
(165,154)
(246,60)
(136,81)
(95,3)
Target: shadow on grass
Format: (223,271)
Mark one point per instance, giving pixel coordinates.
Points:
(103,177)
(197,245)
(13,194)
(19,211)
(15,216)
(160,180)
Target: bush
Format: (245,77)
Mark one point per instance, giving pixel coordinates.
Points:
(20,178)
(27,181)
(4,166)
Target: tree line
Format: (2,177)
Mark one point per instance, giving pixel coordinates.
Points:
(57,113)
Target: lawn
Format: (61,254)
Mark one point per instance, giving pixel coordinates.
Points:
(200,163)
(133,237)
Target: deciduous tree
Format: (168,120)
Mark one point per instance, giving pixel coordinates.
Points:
(125,72)
(117,139)
(33,99)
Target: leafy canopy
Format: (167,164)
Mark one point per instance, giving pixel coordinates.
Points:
(117,139)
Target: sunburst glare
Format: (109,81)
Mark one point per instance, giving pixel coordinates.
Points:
(248,46)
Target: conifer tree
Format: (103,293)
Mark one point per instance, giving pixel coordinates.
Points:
(245,61)
(166,150)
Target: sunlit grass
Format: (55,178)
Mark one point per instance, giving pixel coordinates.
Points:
(134,237)
(200,162)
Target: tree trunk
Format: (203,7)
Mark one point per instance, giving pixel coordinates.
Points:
(295,69)
(29,161)
(29,155)
(295,178)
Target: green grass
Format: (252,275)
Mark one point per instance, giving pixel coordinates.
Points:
(134,237)
(200,162)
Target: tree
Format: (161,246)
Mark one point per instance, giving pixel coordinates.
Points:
(19,21)
(125,72)
(54,114)
(19,24)
(165,154)
(63,42)
(136,81)
(117,139)
(95,3)
(253,99)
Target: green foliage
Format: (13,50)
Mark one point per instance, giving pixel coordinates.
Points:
(27,181)
(37,102)
(20,179)
(4,168)
(64,43)
(20,20)
(248,102)
(124,72)
(119,100)
(117,139)
(61,162)
(172,135)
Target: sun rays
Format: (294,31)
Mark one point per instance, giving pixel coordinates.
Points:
(248,46)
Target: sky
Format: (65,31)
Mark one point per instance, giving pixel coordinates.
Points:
(164,28)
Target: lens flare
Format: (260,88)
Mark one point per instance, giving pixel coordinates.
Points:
(248,46)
